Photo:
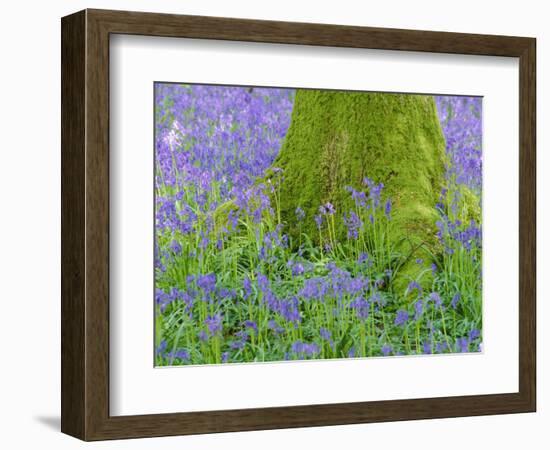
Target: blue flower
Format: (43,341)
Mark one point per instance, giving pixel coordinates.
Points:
(474,334)
(182,354)
(203,336)
(214,324)
(353,224)
(414,285)
(297,269)
(363,257)
(273,325)
(252,325)
(247,287)
(441,347)
(427,347)
(401,318)
(387,209)
(328,208)
(175,246)
(434,296)
(418,308)
(386,349)
(455,300)
(462,345)
(161,348)
(318,220)
(302,349)
(207,283)
(361,307)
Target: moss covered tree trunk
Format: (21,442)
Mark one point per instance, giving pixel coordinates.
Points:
(336,139)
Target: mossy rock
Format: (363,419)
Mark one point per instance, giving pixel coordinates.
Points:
(336,139)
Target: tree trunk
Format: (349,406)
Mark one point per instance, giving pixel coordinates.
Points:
(336,139)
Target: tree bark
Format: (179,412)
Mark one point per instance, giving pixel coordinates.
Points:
(337,138)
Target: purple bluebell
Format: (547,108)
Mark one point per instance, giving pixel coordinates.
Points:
(353,225)
(203,336)
(414,285)
(214,323)
(427,347)
(435,297)
(161,348)
(418,309)
(387,209)
(303,349)
(361,307)
(474,334)
(455,300)
(386,349)
(252,325)
(273,325)
(318,220)
(247,287)
(462,345)
(207,283)
(401,318)
(181,353)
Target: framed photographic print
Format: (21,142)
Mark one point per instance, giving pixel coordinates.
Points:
(271,224)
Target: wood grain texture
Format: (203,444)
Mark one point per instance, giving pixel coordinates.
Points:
(85,224)
(73,108)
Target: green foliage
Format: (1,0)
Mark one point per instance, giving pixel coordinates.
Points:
(336,139)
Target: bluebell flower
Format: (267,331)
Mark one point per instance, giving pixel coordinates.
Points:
(386,349)
(318,220)
(353,224)
(214,323)
(363,257)
(441,347)
(361,307)
(328,208)
(252,325)
(474,334)
(418,309)
(427,347)
(325,334)
(175,246)
(203,336)
(247,287)
(462,345)
(401,318)
(412,286)
(161,348)
(207,283)
(387,209)
(434,296)
(273,325)
(297,269)
(303,349)
(182,354)
(455,300)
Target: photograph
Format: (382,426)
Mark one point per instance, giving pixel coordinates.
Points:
(295,224)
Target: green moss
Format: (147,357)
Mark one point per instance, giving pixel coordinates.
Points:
(336,139)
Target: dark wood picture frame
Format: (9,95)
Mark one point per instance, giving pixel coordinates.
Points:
(85,224)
